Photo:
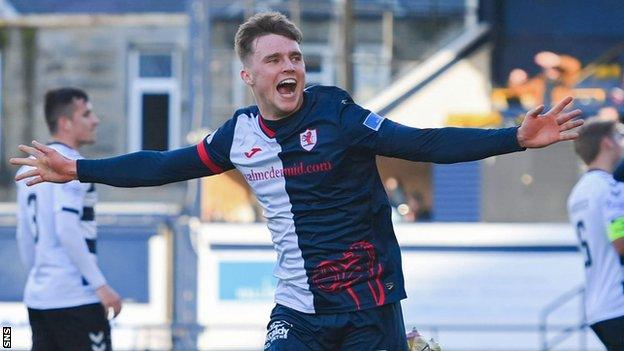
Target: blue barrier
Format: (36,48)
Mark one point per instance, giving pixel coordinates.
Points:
(123,256)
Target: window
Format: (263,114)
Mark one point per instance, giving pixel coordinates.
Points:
(154,118)
(371,71)
(155,66)
(154,108)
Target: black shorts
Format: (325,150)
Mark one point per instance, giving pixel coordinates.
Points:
(81,328)
(611,333)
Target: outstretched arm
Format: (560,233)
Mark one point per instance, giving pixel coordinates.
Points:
(143,168)
(450,145)
(446,145)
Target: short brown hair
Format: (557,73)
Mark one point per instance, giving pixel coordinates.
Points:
(587,145)
(261,24)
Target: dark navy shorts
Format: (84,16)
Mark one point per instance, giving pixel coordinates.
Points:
(375,329)
(611,333)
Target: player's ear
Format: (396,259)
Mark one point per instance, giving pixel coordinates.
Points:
(607,143)
(64,123)
(246,76)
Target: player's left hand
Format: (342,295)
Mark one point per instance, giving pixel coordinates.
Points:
(542,129)
(110,300)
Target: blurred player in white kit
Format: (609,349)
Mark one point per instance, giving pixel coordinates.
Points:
(67,296)
(596,210)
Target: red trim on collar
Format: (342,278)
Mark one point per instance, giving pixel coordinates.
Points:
(270,133)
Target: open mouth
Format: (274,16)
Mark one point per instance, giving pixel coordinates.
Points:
(287,86)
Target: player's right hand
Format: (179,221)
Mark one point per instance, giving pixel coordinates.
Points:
(48,165)
(109,299)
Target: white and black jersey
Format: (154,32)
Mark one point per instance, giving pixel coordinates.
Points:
(56,234)
(595,207)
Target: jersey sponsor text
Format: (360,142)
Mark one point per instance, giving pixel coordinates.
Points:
(293,171)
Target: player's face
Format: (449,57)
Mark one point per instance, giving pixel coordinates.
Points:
(275,71)
(83,123)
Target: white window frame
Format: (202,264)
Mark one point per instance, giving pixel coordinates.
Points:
(140,86)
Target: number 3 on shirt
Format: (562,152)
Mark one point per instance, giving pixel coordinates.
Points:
(32,216)
(580,229)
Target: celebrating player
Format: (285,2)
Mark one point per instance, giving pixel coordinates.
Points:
(309,156)
(596,210)
(56,233)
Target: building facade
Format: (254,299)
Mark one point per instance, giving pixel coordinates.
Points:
(134,60)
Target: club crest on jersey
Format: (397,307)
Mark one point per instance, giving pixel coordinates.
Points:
(308,139)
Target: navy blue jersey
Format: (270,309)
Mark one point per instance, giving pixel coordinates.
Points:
(315,176)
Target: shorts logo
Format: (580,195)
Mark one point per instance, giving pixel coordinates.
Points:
(373,121)
(97,341)
(308,139)
(277,330)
